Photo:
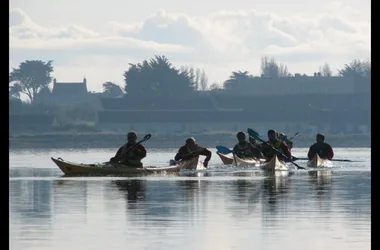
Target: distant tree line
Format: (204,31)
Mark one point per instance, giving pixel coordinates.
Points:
(158,77)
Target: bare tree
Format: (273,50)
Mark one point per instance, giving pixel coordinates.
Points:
(203,81)
(197,78)
(270,68)
(215,86)
(325,70)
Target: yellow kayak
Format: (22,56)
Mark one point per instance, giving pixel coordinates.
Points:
(71,168)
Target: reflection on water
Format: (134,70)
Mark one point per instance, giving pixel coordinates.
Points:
(243,210)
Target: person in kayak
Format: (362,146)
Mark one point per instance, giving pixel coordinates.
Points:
(130,154)
(323,149)
(191,150)
(274,142)
(245,149)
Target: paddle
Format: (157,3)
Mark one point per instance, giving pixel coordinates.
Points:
(255,135)
(344,160)
(294,136)
(224,150)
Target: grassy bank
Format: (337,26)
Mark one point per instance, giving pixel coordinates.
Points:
(113,140)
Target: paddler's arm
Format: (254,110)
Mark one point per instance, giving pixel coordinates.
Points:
(330,152)
(180,154)
(285,150)
(311,152)
(207,153)
(140,151)
(117,156)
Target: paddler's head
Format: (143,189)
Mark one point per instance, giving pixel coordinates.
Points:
(272,135)
(320,137)
(241,136)
(131,137)
(190,143)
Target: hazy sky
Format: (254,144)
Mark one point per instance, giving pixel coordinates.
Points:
(97,39)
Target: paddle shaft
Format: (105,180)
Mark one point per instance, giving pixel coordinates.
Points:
(343,160)
(294,136)
(256,135)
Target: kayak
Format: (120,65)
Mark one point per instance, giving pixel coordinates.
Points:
(226,158)
(71,168)
(236,161)
(318,162)
(274,165)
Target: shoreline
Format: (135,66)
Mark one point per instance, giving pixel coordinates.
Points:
(210,140)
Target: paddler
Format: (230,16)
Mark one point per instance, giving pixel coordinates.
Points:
(323,149)
(277,144)
(131,153)
(244,149)
(191,150)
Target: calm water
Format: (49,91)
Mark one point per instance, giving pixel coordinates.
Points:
(217,209)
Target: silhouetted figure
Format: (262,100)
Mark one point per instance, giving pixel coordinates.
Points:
(245,149)
(323,149)
(191,150)
(276,143)
(131,153)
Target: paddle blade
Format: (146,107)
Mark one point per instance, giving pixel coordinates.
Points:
(147,137)
(223,150)
(252,133)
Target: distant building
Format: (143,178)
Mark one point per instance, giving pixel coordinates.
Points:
(70,92)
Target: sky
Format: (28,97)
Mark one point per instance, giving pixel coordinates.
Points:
(98,39)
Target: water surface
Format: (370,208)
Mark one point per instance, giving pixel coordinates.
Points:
(221,208)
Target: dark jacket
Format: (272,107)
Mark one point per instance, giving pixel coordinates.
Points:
(131,157)
(184,153)
(246,149)
(324,150)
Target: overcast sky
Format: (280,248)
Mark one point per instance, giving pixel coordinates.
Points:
(97,39)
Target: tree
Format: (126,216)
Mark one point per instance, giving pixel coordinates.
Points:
(198,77)
(158,78)
(31,77)
(215,87)
(356,68)
(270,68)
(203,80)
(236,79)
(325,70)
(111,89)
(14,92)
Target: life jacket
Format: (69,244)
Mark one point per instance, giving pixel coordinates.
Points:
(129,157)
(243,150)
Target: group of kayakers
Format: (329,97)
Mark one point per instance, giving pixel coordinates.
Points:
(131,153)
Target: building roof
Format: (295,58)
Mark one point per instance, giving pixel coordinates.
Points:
(70,88)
